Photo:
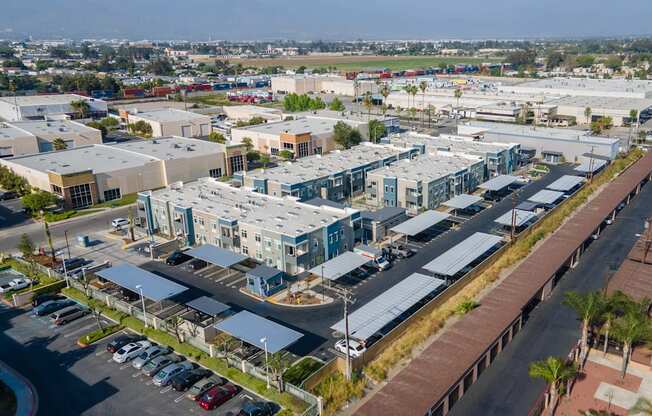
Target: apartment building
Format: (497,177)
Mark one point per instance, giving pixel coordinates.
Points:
(424,182)
(86,175)
(42,107)
(500,157)
(173,122)
(334,176)
(280,232)
(29,137)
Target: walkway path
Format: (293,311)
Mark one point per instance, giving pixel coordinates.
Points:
(26,397)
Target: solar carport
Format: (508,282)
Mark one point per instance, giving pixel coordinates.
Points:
(590,166)
(390,306)
(462,201)
(566,183)
(137,280)
(208,306)
(339,266)
(519,217)
(461,256)
(258,331)
(420,223)
(498,183)
(216,255)
(546,197)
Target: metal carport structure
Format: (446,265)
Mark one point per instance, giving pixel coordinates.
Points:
(420,223)
(258,331)
(338,266)
(519,217)
(498,183)
(208,306)
(137,280)
(462,201)
(546,197)
(591,166)
(388,306)
(454,260)
(566,183)
(215,255)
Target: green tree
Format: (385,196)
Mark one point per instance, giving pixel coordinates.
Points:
(277,364)
(10,181)
(253,155)
(286,154)
(160,67)
(555,372)
(59,144)
(423,86)
(643,407)
(596,127)
(585,61)
(26,246)
(264,159)
(48,238)
(226,343)
(613,62)
(80,107)
(110,123)
(587,114)
(376,130)
(458,94)
(248,144)
(336,105)
(554,60)
(346,136)
(216,137)
(38,201)
(368,102)
(588,307)
(631,328)
(384,91)
(141,127)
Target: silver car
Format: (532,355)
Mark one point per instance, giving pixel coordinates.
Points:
(164,377)
(157,364)
(149,354)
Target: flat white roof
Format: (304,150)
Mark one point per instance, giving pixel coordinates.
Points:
(606,103)
(546,196)
(426,168)
(460,256)
(315,126)
(520,217)
(52,127)
(612,85)
(420,223)
(55,99)
(566,183)
(383,309)
(165,115)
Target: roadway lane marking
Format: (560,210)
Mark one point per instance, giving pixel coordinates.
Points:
(165,390)
(178,399)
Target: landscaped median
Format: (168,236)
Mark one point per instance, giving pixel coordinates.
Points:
(336,391)
(98,334)
(291,404)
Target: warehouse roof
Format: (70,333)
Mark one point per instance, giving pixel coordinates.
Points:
(420,223)
(604,103)
(52,127)
(460,256)
(566,183)
(608,85)
(166,115)
(53,99)
(154,287)
(548,133)
(258,331)
(520,217)
(388,306)
(315,126)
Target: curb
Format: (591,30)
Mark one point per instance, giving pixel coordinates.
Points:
(31,395)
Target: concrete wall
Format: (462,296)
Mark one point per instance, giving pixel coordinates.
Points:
(187,170)
(175,128)
(35,178)
(131,180)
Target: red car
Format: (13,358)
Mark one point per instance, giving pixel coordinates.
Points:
(217,396)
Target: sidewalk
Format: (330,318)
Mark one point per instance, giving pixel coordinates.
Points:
(26,397)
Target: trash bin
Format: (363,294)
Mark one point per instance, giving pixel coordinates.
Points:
(83,240)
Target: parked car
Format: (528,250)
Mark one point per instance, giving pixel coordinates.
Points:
(5,287)
(157,364)
(119,222)
(355,348)
(15,284)
(250,408)
(130,351)
(185,380)
(402,252)
(46,297)
(218,395)
(7,195)
(197,264)
(121,341)
(148,355)
(51,306)
(165,376)
(195,392)
(177,258)
(68,314)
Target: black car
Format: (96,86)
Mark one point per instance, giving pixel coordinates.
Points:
(185,380)
(257,409)
(197,264)
(177,258)
(121,341)
(7,195)
(46,297)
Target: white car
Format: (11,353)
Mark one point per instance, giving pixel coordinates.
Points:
(15,284)
(355,348)
(130,351)
(119,222)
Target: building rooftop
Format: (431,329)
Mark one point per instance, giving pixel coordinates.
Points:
(549,133)
(455,144)
(52,127)
(55,99)
(319,166)
(425,168)
(106,158)
(166,115)
(280,215)
(296,126)
(383,214)
(607,85)
(8,132)
(342,116)
(609,103)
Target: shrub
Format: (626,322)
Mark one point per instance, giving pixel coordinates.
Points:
(98,334)
(301,370)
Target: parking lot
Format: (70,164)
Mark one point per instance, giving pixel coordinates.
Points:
(74,380)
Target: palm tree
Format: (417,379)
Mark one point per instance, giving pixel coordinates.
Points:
(643,407)
(588,307)
(277,365)
(431,109)
(458,95)
(423,86)
(81,107)
(59,144)
(414,90)
(555,372)
(407,90)
(384,91)
(629,329)
(613,306)
(355,93)
(587,114)
(368,103)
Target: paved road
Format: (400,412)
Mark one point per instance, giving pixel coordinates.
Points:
(505,388)
(92,223)
(11,214)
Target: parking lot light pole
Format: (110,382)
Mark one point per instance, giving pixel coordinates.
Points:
(264,341)
(65,271)
(142,300)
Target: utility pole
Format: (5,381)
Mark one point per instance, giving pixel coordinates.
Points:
(65,233)
(591,164)
(347,298)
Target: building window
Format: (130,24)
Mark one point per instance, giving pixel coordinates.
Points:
(259,255)
(57,190)
(273,151)
(81,196)
(237,163)
(268,244)
(257,238)
(215,173)
(288,146)
(245,250)
(243,233)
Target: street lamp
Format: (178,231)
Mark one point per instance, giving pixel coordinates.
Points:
(142,300)
(264,341)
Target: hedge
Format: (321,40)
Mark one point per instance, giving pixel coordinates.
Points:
(98,334)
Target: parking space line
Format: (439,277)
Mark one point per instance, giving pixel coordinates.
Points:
(238,280)
(166,389)
(178,399)
(76,331)
(223,278)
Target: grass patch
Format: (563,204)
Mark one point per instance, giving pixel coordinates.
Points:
(301,370)
(218,365)
(98,334)
(336,391)
(125,200)
(60,216)
(32,272)
(7,400)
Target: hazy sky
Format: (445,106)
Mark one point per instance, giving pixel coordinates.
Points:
(317,19)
